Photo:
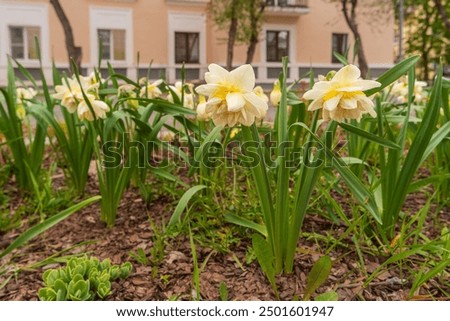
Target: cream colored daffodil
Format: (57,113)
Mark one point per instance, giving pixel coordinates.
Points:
(128,91)
(202,115)
(177,89)
(99,107)
(399,91)
(151,90)
(69,93)
(23,96)
(231,99)
(342,97)
(275,94)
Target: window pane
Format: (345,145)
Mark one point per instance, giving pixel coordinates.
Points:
(277,45)
(17,52)
(119,44)
(180,47)
(17,45)
(16,34)
(283,44)
(104,42)
(339,45)
(271,40)
(193,48)
(32,33)
(187,47)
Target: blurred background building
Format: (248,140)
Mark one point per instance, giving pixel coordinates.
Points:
(168,33)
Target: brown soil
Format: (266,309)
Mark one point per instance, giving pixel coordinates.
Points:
(173,276)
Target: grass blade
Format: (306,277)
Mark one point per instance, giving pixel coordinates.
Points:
(45,225)
(182,204)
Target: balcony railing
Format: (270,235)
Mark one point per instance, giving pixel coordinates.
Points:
(288,3)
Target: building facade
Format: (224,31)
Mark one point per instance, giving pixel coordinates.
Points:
(167,33)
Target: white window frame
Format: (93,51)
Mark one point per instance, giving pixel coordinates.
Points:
(111,45)
(186,22)
(264,64)
(111,19)
(24,15)
(25,42)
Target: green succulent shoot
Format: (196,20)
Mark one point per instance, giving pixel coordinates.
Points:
(82,279)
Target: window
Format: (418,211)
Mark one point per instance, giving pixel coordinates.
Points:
(187,48)
(277,45)
(112,43)
(22,42)
(339,45)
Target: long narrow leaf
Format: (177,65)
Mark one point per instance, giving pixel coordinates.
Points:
(48,223)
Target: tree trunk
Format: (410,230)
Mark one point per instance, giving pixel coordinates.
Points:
(74,52)
(350,18)
(443,14)
(232,34)
(255,17)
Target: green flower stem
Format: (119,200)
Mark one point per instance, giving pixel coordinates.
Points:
(251,135)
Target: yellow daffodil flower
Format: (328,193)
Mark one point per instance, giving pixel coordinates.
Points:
(275,94)
(342,97)
(231,99)
(151,90)
(188,99)
(202,115)
(100,109)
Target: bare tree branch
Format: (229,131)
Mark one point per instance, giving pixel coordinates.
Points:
(350,18)
(74,52)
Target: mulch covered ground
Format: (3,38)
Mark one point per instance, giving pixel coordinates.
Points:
(173,277)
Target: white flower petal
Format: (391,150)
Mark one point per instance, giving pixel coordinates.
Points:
(256,105)
(332,103)
(349,103)
(216,74)
(366,84)
(207,90)
(347,74)
(235,102)
(316,104)
(243,77)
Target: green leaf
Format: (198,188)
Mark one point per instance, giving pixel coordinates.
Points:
(343,60)
(47,294)
(104,289)
(369,136)
(265,258)
(182,204)
(231,218)
(318,275)
(435,140)
(393,74)
(60,288)
(327,296)
(223,291)
(78,290)
(125,270)
(44,226)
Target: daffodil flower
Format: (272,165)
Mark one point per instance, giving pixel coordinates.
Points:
(231,99)
(128,91)
(275,94)
(177,89)
(99,107)
(23,95)
(69,94)
(399,91)
(151,90)
(202,115)
(342,97)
